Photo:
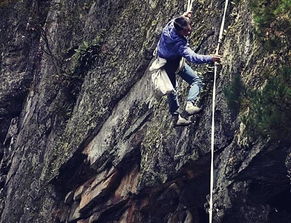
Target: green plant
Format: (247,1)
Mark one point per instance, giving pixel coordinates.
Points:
(266,11)
(273,22)
(283,7)
(270,109)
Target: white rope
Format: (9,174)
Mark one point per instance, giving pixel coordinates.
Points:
(213,120)
(189,5)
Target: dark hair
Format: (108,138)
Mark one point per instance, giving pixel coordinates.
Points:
(181,22)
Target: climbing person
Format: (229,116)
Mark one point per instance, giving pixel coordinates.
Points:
(173,46)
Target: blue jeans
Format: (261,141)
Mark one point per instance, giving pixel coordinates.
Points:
(188,75)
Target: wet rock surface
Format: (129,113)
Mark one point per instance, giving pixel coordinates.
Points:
(84,139)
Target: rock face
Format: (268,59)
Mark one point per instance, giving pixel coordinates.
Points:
(84,139)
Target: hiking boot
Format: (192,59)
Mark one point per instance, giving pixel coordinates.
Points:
(182,121)
(191,108)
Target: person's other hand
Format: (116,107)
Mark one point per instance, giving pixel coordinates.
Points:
(188,14)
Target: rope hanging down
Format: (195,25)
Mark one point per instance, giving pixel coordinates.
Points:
(213,113)
(189,5)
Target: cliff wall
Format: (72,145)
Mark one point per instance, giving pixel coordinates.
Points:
(84,139)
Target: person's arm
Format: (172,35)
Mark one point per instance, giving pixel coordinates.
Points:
(198,58)
(186,52)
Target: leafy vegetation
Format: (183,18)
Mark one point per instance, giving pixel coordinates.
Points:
(273,21)
(270,109)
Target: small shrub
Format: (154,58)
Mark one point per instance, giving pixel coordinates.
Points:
(273,22)
(270,109)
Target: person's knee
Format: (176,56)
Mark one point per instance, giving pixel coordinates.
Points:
(196,81)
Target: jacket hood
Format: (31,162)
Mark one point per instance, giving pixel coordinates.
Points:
(170,33)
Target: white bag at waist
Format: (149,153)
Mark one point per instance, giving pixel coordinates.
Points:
(160,78)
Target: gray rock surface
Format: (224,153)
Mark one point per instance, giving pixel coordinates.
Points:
(84,139)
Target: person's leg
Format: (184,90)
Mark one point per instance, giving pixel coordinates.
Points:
(195,83)
(191,77)
(170,68)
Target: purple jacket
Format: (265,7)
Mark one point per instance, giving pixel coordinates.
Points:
(172,46)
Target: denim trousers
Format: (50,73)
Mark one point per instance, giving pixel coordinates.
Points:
(188,75)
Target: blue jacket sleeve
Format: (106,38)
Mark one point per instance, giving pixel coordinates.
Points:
(185,51)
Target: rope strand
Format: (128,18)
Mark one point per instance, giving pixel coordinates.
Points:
(213,118)
(189,5)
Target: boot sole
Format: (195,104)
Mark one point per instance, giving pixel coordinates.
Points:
(182,125)
(193,113)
